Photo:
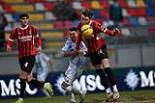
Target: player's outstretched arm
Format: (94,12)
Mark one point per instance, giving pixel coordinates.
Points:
(114,32)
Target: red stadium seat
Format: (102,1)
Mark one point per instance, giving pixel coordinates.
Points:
(58,25)
(132,12)
(125,22)
(68,24)
(123,3)
(104,3)
(8,8)
(86,4)
(34,1)
(141,12)
(105,13)
(49,6)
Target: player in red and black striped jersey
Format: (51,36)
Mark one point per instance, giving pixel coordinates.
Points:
(97,52)
(29,44)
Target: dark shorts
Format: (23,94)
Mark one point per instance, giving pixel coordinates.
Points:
(27,63)
(97,57)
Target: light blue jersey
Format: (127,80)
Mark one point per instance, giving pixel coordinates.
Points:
(42,66)
(71,46)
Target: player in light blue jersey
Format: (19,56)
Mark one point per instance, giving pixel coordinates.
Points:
(43,63)
(77,59)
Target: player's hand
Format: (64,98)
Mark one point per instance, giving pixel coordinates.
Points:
(38,50)
(116,31)
(8,48)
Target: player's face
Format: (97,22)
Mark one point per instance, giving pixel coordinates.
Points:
(73,35)
(24,21)
(85,19)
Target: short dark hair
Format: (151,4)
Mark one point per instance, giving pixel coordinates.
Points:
(73,29)
(23,15)
(88,13)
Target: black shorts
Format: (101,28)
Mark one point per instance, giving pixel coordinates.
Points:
(97,57)
(27,63)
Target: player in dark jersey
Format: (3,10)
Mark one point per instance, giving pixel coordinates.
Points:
(97,52)
(27,37)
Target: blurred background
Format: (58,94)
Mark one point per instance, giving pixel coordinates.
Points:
(134,48)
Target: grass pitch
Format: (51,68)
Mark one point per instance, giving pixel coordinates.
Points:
(145,96)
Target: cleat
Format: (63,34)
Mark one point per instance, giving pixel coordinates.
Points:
(48,88)
(109,98)
(19,101)
(116,96)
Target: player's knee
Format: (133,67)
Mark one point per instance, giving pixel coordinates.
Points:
(29,77)
(23,75)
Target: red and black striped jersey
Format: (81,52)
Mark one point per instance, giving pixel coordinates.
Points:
(96,41)
(26,40)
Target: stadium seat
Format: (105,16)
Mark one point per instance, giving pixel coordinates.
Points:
(125,22)
(141,12)
(23,8)
(123,3)
(68,24)
(86,4)
(133,21)
(58,25)
(77,5)
(105,13)
(151,30)
(39,7)
(54,44)
(104,4)
(44,26)
(1,8)
(13,1)
(52,35)
(8,8)
(140,3)
(96,5)
(49,6)
(132,12)
(151,20)
(96,13)
(142,21)
(125,12)
(125,31)
(131,3)
(34,1)
(49,16)
(150,11)
(16,17)
(150,3)
(36,17)
(9,17)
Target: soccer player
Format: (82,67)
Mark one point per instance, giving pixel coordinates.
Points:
(27,37)
(43,63)
(77,59)
(97,52)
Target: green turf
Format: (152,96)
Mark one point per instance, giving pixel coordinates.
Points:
(95,98)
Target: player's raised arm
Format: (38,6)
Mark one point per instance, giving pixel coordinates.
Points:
(114,32)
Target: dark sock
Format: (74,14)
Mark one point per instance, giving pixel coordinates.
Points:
(36,83)
(22,87)
(103,77)
(110,75)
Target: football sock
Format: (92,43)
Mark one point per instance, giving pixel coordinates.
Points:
(22,87)
(110,75)
(35,82)
(104,80)
(114,87)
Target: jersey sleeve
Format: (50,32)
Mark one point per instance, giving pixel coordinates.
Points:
(66,46)
(45,57)
(11,39)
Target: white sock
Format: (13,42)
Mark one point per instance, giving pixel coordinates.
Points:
(108,90)
(115,88)
(72,96)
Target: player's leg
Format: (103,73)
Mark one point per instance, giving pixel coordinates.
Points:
(96,61)
(70,76)
(111,77)
(106,66)
(41,77)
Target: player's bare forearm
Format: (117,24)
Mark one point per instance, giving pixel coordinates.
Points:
(71,53)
